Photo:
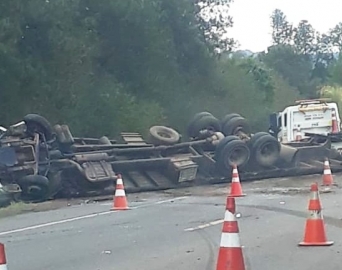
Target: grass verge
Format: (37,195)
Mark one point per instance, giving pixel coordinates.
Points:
(16,209)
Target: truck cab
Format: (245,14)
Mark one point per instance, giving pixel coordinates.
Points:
(311,116)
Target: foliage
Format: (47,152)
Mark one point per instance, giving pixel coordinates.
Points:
(334,93)
(301,55)
(107,66)
(282,30)
(215,23)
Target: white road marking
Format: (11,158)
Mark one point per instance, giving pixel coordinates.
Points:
(213,223)
(34,227)
(148,204)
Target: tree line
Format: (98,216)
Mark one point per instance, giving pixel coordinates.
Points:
(108,66)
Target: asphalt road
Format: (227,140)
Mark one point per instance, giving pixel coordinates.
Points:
(161,231)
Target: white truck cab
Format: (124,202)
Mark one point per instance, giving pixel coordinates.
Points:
(311,116)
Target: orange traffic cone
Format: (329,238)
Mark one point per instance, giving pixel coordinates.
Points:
(314,228)
(120,200)
(327,176)
(230,255)
(235,187)
(3,261)
(334,125)
(231,205)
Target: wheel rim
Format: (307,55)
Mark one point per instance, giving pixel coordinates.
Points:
(164,135)
(268,149)
(237,156)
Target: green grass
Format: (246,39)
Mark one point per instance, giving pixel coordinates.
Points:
(16,209)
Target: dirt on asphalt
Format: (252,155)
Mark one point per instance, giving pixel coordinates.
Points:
(285,186)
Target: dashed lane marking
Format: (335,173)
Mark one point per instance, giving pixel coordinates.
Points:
(212,223)
(53,223)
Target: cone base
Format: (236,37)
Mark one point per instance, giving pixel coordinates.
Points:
(327,184)
(120,208)
(230,258)
(316,244)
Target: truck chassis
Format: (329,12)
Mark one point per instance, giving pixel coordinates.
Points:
(76,166)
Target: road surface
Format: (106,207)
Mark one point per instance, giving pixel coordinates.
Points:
(177,230)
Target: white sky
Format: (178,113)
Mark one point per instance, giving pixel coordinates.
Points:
(252,18)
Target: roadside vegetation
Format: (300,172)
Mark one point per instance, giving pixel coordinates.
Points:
(107,66)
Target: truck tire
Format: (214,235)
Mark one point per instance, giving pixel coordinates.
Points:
(256,136)
(38,124)
(222,144)
(265,149)
(55,183)
(161,135)
(59,134)
(68,136)
(35,188)
(104,141)
(196,117)
(235,125)
(55,154)
(208,123)
(63,134)
(227,118)
(200,115)
(235,152)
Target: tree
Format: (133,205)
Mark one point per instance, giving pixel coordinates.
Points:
(304,38)
(215,21)
(282,30)
(262,78)
(335,71)
(332,92)
(108,66)
(323,57)
(293,67)
(336,36)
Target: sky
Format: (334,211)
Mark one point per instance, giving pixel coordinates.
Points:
(252,18)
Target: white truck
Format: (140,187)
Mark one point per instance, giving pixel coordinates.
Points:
(316,116)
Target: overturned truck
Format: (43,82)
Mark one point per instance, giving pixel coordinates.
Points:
(40,162)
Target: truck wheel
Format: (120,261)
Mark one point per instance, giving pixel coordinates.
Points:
(35,188)
(256,137)
(38,124)
(55,182)
(222,144)
(63,134)
(265,149)
(59,134)
(227,118)
(235,152)
(200,115)
(196,117)
(163,135)
(104,141)
(205,123)
(55,154)
(235,125)
(68,136)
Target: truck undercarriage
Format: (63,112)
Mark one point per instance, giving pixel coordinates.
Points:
(38,162)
